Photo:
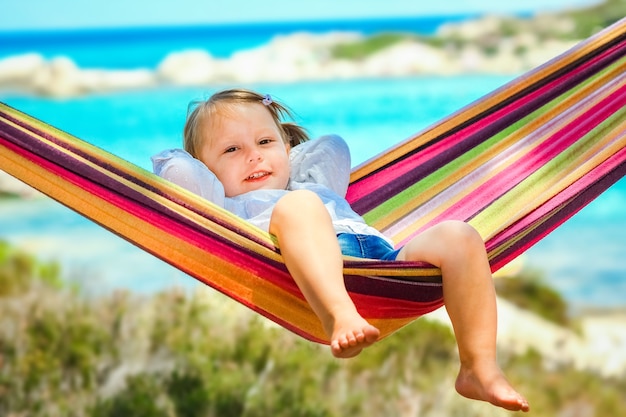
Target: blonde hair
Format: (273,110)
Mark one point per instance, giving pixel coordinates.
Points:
(291,133)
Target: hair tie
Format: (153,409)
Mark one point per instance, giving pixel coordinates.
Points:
(267,99)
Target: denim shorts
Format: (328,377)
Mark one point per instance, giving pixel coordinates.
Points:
(366,246)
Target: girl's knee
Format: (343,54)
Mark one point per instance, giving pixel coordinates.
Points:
(297,204)
(298,199)
(456,232)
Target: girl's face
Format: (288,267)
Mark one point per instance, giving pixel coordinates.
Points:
(243,147)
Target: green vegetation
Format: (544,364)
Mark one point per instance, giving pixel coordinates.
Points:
(368,46)
(186,355)
(530,292)
(19,270)
(583,23)
(590,20)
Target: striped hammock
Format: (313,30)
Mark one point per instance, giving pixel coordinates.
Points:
(515,164)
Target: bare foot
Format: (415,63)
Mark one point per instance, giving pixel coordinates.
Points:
(350,335)
(487,383)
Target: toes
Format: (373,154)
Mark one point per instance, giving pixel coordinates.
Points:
(335,347)
(524,405)
(512,402)
(348,343)
(371,334)
(343,342)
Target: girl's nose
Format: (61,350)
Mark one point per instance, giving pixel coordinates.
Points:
(255,156)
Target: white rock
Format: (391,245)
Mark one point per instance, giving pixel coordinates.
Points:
(605,337)
(193,67)
(545,52)
(101,80)
(57,78)
(296,57)
(471,60)
(20,69)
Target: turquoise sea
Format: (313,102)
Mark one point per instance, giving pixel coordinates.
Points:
(584,259)
(125,48)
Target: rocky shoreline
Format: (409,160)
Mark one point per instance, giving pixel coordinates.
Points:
(482,46)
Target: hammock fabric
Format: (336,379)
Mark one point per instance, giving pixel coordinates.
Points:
(515,164)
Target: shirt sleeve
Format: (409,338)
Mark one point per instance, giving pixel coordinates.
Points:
(324,161)
(179,167)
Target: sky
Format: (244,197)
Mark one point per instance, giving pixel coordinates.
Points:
(77,14)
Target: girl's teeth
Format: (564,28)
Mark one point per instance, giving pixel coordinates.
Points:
(258,175)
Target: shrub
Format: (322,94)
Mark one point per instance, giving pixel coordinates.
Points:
(363,48)
(138,399)
(203,355)
(19,270)
(530,292)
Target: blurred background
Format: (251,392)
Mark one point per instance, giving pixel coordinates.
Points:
(91,325)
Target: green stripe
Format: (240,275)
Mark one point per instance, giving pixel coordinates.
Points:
(387,209)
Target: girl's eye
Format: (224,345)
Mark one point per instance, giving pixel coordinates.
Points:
(231,149)
(265,141)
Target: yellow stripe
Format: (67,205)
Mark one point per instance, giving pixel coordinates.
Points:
(489,101)
(577,103)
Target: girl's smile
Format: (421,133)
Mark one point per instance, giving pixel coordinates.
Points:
(244,148)
(258,176)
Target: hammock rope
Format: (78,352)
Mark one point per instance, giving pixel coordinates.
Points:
(515,164)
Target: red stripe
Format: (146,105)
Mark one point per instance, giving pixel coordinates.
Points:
(489,191)
(366,187)
(559,209)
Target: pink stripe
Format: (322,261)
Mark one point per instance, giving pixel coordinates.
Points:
(550,207)
(575,188)
(366,186)
(459,187)
(486,193)
(184,232)
(546,209)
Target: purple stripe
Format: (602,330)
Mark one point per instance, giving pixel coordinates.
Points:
(567,210)
(31,143)
(397,184)
(96,177)
(395,288)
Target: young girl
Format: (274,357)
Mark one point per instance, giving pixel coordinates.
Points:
(242,156)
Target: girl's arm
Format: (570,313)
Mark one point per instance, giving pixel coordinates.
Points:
(179,167)
(324,161)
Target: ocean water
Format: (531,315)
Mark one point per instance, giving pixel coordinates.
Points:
(128,48)
(583,259)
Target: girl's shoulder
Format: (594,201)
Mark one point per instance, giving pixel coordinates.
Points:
(175,158)
(334,145)
(324,161)
(179,167)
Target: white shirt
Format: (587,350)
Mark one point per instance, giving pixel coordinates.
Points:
(322,166)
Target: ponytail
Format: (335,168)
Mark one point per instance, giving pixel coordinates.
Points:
(295,134)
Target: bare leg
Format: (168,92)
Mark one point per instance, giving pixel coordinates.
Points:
(311,252)
(470,300)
